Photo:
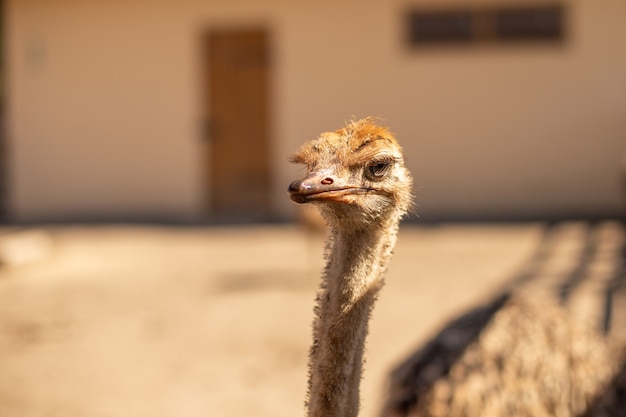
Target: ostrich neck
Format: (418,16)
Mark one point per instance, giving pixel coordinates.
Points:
(356,262)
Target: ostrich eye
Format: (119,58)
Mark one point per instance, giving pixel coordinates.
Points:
(377,170)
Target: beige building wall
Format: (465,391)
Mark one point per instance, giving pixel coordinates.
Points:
(104,106)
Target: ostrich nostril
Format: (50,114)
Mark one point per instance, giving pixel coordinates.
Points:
(327,181)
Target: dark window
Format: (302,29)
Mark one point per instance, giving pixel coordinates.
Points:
(441,26)
(486,25)
(530,23)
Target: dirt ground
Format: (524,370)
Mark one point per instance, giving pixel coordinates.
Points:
(130,321)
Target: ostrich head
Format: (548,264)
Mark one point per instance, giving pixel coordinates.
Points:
(356,175)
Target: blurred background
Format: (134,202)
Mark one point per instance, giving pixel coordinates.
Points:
(151,263)
(186,111)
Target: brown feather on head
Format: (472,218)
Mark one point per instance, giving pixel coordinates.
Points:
(359,167)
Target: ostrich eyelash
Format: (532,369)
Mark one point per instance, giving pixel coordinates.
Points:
(378,168)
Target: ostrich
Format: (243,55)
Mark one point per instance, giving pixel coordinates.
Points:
(357,178)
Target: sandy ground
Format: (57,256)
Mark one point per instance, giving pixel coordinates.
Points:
(124,321)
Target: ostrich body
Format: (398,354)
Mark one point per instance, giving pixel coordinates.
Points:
(519,355)
(515,356)
(537,349)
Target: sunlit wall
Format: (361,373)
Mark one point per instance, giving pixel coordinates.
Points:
(103,106)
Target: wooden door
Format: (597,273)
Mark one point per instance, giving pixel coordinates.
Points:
(237,132)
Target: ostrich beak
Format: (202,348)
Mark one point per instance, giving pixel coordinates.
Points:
(322,186)
(318,182)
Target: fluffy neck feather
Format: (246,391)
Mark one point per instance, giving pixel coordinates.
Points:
(356,261)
